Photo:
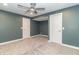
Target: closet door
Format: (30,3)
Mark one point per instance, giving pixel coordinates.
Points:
(55,25)
(26,27)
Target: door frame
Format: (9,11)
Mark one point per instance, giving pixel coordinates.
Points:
(25,28)
(49,28)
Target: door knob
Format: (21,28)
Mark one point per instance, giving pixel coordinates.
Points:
(63,28)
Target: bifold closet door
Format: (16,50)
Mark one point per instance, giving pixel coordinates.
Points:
(55,26)
(26,27)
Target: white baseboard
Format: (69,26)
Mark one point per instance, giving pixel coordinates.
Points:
(10,41)
(70,46)
(44,35)
(66,45)
(35,35)
(39,35)
(21,39)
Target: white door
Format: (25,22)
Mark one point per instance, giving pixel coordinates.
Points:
(55,32)
(26,27)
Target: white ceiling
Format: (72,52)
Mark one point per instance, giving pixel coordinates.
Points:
(12,7)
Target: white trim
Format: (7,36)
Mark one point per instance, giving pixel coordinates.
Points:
(44,35)
(70,46)
(13,41)
(10,41)
(66,45)
(40,35)
(25,27)
(55,28)
(35,35)
(19,39)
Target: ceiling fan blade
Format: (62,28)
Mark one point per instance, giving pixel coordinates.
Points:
(40,9)
(24,7)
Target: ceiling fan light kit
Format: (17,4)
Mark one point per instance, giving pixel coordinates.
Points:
(32,11)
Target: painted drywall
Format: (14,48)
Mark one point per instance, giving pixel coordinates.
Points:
(70,34)
(34,28)
(38,27)
(71,26)
(10,27)
(44,27)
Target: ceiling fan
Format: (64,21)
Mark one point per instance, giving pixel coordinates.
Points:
(32,10)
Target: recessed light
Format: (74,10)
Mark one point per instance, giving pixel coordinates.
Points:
(5,4)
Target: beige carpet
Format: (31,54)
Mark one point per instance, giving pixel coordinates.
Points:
(36,46)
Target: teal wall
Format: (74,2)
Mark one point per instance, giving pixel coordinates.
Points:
(39,27)
(71,25)
(10,25)
(70,34)
(34,27)
(44,27)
